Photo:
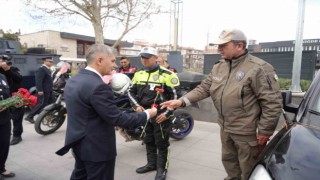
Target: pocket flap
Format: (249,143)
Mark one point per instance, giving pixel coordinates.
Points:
(253,143)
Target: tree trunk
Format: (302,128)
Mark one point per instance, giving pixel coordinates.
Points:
(98,31)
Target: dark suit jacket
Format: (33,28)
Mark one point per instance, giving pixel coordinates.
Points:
(92,115)
(44,81)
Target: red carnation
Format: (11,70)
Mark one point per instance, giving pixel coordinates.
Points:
(159,90)
(20,98)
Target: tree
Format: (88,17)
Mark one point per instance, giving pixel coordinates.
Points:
(127,13)
(10,35)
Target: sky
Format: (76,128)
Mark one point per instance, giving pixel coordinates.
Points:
(200,21)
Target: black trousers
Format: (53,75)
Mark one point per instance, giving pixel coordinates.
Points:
(17,117)
(157,142)
(5,132)
(43,100)
(87,170)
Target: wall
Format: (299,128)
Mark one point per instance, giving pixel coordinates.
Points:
(281,61)
(51,40)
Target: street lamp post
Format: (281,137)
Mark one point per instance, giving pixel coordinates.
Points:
(296,69)
(176,13)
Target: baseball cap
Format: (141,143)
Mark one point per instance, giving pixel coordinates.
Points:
(228,35)
(148,52)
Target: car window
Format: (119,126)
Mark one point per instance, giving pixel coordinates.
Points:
(314,110)
(317,105)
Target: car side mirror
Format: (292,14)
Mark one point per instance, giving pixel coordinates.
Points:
(288,106)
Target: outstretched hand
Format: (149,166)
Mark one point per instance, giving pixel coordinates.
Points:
(161,118)
(171,105)
(152,112)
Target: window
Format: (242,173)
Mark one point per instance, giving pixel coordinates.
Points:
(80,49)
(10,45)
(314,109)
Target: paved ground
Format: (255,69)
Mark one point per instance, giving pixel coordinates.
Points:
(195,157)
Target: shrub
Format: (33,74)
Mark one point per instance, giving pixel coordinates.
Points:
(285,84)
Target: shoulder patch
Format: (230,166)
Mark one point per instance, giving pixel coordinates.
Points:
(174,80)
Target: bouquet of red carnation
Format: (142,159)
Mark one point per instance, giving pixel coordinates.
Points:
(20,98)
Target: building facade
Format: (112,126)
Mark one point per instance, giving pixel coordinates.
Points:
(285,46)
(68,45)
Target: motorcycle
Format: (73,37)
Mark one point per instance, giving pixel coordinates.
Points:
(181,122)
(53,115)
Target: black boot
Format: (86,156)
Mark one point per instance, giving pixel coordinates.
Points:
(162,163)
(15,140)
(161,174)
(148,167)
(152,160)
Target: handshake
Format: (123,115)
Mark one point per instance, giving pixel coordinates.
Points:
(152,111)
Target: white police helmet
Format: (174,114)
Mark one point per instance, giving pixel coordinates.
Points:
(120,83)
(61,64)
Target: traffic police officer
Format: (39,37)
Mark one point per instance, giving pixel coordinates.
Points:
(143,94)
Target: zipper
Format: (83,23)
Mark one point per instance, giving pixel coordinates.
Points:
(230,63)
(242,99)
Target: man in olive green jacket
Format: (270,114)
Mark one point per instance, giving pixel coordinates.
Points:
(246,94)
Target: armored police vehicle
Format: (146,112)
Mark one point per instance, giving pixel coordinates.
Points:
(27,62)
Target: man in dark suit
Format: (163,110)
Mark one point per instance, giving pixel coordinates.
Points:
(92,115)
(44,84)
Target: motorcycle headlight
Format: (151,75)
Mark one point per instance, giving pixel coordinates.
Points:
(260,173)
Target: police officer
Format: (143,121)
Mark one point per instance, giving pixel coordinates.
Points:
(14,79)
(142,94)
(44,84)
(5,126)
(246,94)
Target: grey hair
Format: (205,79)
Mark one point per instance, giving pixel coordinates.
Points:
(99,48)
(237,42)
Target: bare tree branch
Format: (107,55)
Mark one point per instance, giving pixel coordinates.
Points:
(128,14)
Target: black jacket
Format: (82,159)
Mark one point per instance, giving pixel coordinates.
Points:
(14,78)
(44,81)
(142,91)
(4,94)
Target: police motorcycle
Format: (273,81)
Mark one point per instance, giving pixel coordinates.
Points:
(181,122)
(53,115)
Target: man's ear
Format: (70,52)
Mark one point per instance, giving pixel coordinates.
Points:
(99,61)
